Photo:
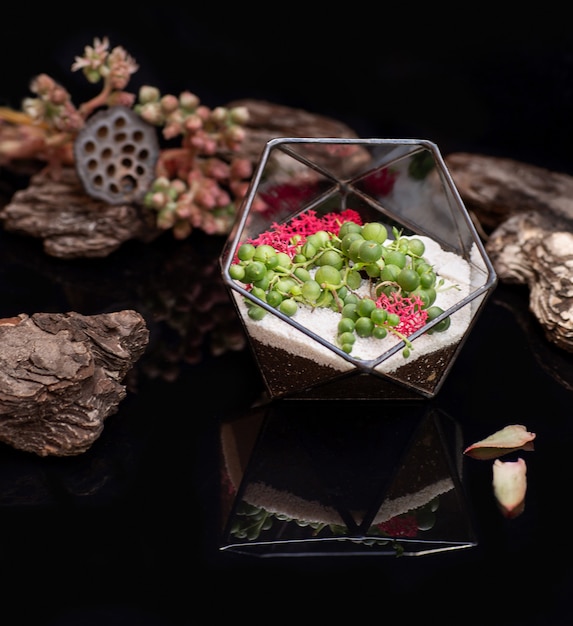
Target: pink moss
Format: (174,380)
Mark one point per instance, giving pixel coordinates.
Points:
(285,237)
(409,309)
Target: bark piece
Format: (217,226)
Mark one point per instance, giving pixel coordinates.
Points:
(61,377)
(71,223)
(528,213)
(536,250)
(268,120)
(494,189)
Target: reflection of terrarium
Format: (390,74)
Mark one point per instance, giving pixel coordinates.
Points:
(312,483)
(400,188)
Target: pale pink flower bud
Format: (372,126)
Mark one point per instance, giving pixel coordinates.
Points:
(157,200)
(241,168)
(203,112)
(34,107)
(148,94)
(59,95)
(161,183)
(169,104)
(206,198)
(219,115)
(193,123)
(196,217)
(188,101)
(209,225)
(151,113)
(121,66)
(239,188)
(223,198)
(69,119)
(217,169)
(178,186)
(234,136)
(182,230)
(42,84)
(209,146)
(121,98)
(239,115)
(172,130)
(165,219)
(184,207)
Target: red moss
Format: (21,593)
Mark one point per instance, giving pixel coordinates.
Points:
(409,309)
(285,237)
(400,526)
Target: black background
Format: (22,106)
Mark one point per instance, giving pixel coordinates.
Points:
(145,553)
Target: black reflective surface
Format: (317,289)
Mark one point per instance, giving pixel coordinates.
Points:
(134,524)
(129,532)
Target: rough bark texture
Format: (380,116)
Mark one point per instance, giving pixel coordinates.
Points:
(70,222)
(61,377)
(529,211)
(268,121)
(494,189)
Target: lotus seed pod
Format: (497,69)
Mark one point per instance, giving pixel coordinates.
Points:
(115,155)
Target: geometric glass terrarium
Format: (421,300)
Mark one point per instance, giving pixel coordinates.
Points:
(407,216)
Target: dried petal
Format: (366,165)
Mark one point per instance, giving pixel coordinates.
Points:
(508,439)
(509,486)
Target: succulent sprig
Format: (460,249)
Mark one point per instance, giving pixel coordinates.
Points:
(199,183)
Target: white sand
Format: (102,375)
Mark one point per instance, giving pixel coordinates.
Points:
(274,331)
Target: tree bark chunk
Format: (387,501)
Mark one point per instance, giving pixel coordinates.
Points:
(71,223)
(268,120)
(494,189)
(61,377)
(529,211)
(536,250)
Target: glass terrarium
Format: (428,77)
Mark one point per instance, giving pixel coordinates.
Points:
(355,268)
